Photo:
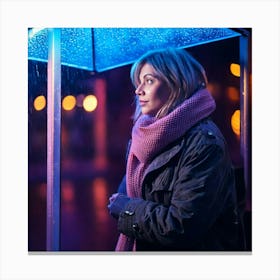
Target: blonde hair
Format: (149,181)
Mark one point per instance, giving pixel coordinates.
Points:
(183,75)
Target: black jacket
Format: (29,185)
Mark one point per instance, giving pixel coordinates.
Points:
(188,197)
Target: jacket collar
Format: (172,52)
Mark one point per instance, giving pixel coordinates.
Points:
(164,157)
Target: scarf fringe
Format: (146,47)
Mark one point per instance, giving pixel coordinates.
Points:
(125,243)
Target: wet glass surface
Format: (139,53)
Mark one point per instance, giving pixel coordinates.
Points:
(120,46)
(100,49)
(76,46)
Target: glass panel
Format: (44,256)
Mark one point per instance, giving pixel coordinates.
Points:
(76,46)
(114,47)
(120,46)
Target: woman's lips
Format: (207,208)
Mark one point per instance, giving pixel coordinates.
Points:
(142,102)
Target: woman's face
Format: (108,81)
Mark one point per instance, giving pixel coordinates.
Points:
(152,92)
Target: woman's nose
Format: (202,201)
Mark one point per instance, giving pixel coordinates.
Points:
(139,90)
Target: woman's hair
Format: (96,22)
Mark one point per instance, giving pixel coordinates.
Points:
(178,69)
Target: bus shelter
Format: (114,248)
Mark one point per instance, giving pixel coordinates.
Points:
(101,49)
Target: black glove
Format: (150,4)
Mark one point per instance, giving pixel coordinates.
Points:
(117,204)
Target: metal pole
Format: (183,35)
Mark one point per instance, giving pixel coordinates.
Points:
(245,85)
(53,140)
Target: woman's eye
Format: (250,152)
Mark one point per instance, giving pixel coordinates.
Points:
(149,81)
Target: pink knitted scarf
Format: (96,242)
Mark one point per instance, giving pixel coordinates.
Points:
(150,136)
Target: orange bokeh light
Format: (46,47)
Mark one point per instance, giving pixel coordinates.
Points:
(68,102)
(39,103)
(235,69)
(235,122)
(233,94)
(90,103)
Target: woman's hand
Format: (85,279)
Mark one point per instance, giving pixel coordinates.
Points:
(117,203)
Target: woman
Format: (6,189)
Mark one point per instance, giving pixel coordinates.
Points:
(179,192)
